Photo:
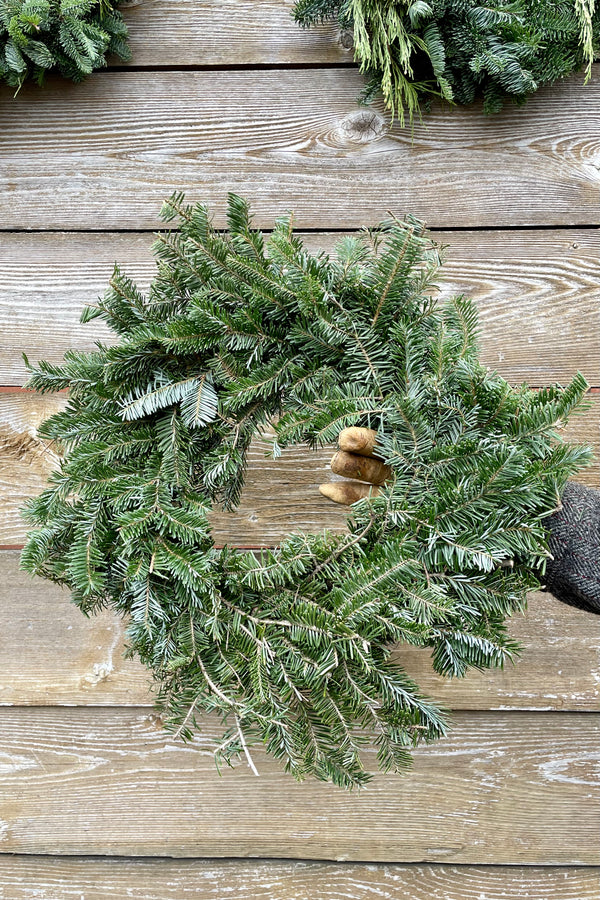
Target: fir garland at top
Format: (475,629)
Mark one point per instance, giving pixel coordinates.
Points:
(291,647)
(413,51)
(71,37)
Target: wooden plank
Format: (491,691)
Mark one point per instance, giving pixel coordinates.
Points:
(555,670)
(46,280)
(559,667)
(239,32)
(517,788)
(104,154)
(538,295)
(279,495)
(64,658)
(26,461)
(25,877)
(277,492)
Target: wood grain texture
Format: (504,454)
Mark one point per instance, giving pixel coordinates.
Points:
(25,460)
(103,155)
(518,788)
(47,878)
(66,659)
(279,495)
(236,32)
(63,657)
(538,295)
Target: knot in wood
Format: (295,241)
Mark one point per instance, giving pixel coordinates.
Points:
(346,39)
(363,126)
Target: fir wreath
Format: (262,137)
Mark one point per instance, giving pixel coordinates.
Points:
(459,50)
(71,37)
(291,647)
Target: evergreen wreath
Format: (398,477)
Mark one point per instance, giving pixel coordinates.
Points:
(412,51)
(291,646)
(72,37)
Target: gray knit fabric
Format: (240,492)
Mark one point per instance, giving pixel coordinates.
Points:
(573,576)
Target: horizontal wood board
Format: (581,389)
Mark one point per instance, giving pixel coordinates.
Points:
(515,788)
(28,877)
(67,659)
(103,155)
(279,495)
(232,33)
(538,295)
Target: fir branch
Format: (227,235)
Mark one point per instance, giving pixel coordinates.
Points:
(72,37)
(460,50)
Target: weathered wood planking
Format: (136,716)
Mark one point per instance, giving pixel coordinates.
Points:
(63,657)
(538,294)
(239,32)
(279,495)
(111,782)
(26,877)
(277,492)
(103,155)
(67,659)
(516,788)
(25,460)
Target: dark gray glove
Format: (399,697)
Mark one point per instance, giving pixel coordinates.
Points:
(573,575)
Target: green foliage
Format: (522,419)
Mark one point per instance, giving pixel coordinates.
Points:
(291,647)
(72,37)
(413,51)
